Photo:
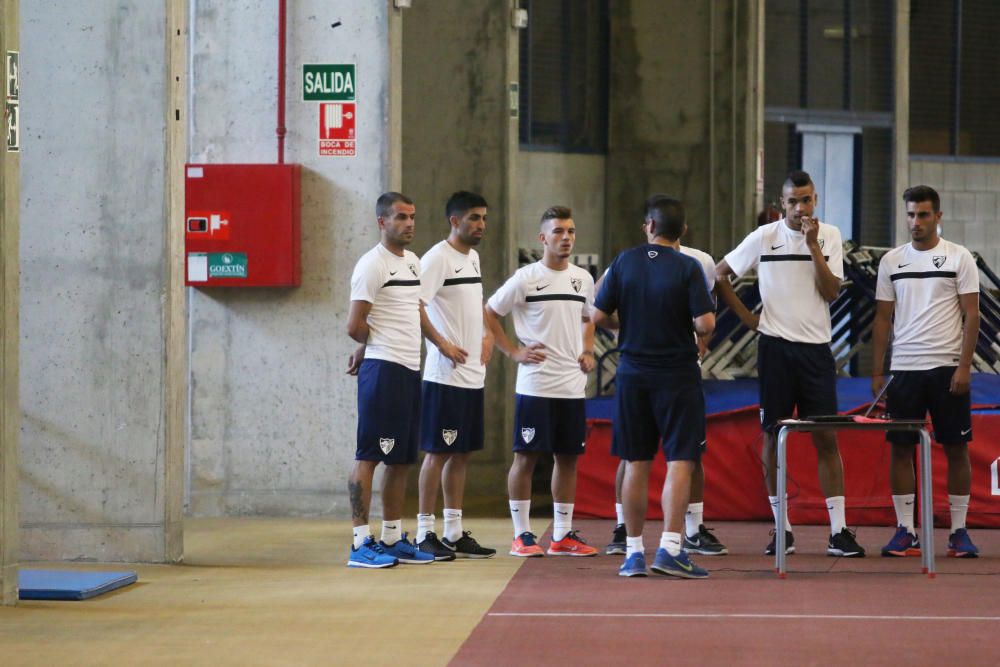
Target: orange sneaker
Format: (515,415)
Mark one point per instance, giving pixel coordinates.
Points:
(524,545)
(571,545)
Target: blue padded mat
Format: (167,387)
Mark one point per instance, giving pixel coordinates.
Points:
(70,585)
(852,393)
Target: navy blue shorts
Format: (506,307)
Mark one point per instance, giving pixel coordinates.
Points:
(451,419)
(912,394)
(388,412)
(794,375)
(553,425)
(649,409)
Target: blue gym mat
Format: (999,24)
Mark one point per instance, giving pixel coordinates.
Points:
(69,585)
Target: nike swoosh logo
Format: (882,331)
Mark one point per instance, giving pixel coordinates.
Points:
(908,502)
(686,568)
(900,266)
(541,287)
(392,273)
(459,270)
(515,510)
(967,431)
(775,247)
(563,513)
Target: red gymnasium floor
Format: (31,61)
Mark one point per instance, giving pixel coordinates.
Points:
(871,611)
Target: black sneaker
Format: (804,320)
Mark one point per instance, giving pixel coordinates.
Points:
(704,543)
(467,547)
(843,544)
(432,545)
(617,544)
(789,544)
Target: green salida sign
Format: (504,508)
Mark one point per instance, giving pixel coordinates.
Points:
(328,83)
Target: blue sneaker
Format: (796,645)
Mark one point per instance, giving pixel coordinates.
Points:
(370,554)
(903,543)
(960,545)
(677,566)
(634,566)
(407,553)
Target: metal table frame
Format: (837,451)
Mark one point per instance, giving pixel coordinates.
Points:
(926,492)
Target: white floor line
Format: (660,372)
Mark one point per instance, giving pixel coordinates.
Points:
(832,617)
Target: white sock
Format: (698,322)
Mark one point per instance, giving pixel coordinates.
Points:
(671,542)
(562,520)
(360,533)
(425,524)
(392,531)
(620,513)
(904,511)
(633,545)
(959,508)
(835,506)
(452,525)
(774,510)
(694,518)
(519,510)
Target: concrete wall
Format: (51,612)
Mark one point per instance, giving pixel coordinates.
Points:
(272,412)
(570,179)
(93,276)
(458,134)
(681,118)
(970,202)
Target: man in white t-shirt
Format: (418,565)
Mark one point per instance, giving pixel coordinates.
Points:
(451,425)
(800,264)
(387,318)
(550,301)
(932,287)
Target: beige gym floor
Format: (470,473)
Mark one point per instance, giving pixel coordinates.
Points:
(266,592)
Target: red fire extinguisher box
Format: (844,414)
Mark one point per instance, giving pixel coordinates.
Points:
(242,225)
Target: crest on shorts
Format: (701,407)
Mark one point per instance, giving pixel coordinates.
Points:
(939,261)
(413,269)
(576,283)
(527,434)
(822,243)
(386,444)
(652,254)
(449,435)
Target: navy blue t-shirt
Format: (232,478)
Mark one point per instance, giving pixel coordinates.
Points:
(656,291)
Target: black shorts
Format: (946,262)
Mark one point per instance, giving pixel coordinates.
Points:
(554,425)
(912,394)
(451,420)
(651,409)
(794,375)
(388,412)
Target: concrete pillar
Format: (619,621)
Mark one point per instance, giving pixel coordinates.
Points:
(901,126)
(273,414)
(689,124)
(10,411)
(99,463)
(459,58)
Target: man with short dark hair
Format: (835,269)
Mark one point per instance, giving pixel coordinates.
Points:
(658,299)
(550,303)
(931,286)
(451,426)
(387,318)
(799,262)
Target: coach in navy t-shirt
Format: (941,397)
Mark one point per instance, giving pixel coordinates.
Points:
(660,299)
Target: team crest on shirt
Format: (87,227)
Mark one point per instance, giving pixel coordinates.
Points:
(386,444)
(527,434)
(413,269)
(576,283)
(652,254)
(449,435)
(822,242)
(939,261)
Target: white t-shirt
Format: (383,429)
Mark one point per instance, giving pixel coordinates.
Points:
(793,307)
(707,264)
(392,285)
(452,291)
(925,284)
(549,307)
